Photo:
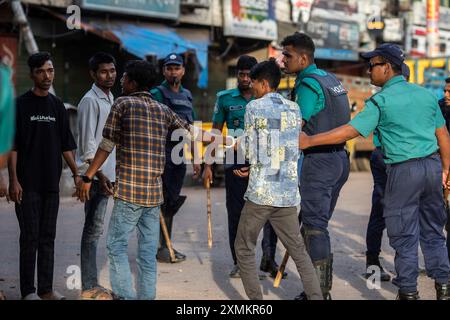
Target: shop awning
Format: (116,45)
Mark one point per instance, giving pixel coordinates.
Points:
(144,39)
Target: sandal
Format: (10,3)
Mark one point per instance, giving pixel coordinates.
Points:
(2,296)
(97,293)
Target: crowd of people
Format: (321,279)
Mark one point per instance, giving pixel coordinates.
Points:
(280,154)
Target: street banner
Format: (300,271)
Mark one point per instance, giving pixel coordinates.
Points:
(169,9)
(253,19)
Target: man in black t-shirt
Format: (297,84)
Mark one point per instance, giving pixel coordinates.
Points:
(42,136)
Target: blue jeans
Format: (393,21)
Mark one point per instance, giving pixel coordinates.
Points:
(95,210)
(125,217)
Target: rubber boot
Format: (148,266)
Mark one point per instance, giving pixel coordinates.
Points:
(442,291)
(324,271)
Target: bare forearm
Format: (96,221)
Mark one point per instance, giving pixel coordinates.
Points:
(3,160)
(218,127)
(12,166)
(335,136)
(196,157)
(99,174)
(100,157)
(69,157)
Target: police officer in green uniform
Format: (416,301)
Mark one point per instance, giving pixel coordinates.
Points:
(411,129)
(179,99)
(324,106)
(230,108)
(376,224)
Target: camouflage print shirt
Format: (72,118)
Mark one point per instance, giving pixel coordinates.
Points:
(270,142)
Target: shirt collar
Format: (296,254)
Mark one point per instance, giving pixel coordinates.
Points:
(101,94)
(393,81)
(141,93)
(237,93)
(302,74)
(272,94)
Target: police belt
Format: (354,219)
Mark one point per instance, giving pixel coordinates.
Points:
(324,149)
(416,159)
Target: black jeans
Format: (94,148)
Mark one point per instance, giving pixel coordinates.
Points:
(37,215)
(376,221)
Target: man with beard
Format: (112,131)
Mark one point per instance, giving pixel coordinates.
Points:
(324,106)
(93,110)
(42,136)
(179,100)
(230,108)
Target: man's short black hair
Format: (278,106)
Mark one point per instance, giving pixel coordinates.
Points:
(301,42)
(99,58)
(142,72)
(38,59)
(267,70)
(447,80)
(246,62)
(397,69)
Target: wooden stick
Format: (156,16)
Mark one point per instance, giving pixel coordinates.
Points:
(208,206)
(276,282)
(166,236)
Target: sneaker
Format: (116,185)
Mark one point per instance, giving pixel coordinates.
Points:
(54,295)
(234,273)
(31,296)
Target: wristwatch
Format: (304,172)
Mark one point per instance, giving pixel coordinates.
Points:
(86,179)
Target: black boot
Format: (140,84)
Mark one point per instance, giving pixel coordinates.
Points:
(301,297)
(373,260)
(324,271)
(442,291)
(408,295)
(269,265)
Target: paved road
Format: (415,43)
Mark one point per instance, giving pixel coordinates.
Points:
(205,274)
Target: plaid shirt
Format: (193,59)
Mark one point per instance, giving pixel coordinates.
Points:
(138,126)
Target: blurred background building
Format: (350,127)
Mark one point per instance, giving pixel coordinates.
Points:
(213,33)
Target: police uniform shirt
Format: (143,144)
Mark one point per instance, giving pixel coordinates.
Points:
(308,92)
(230,108)
(405,117)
